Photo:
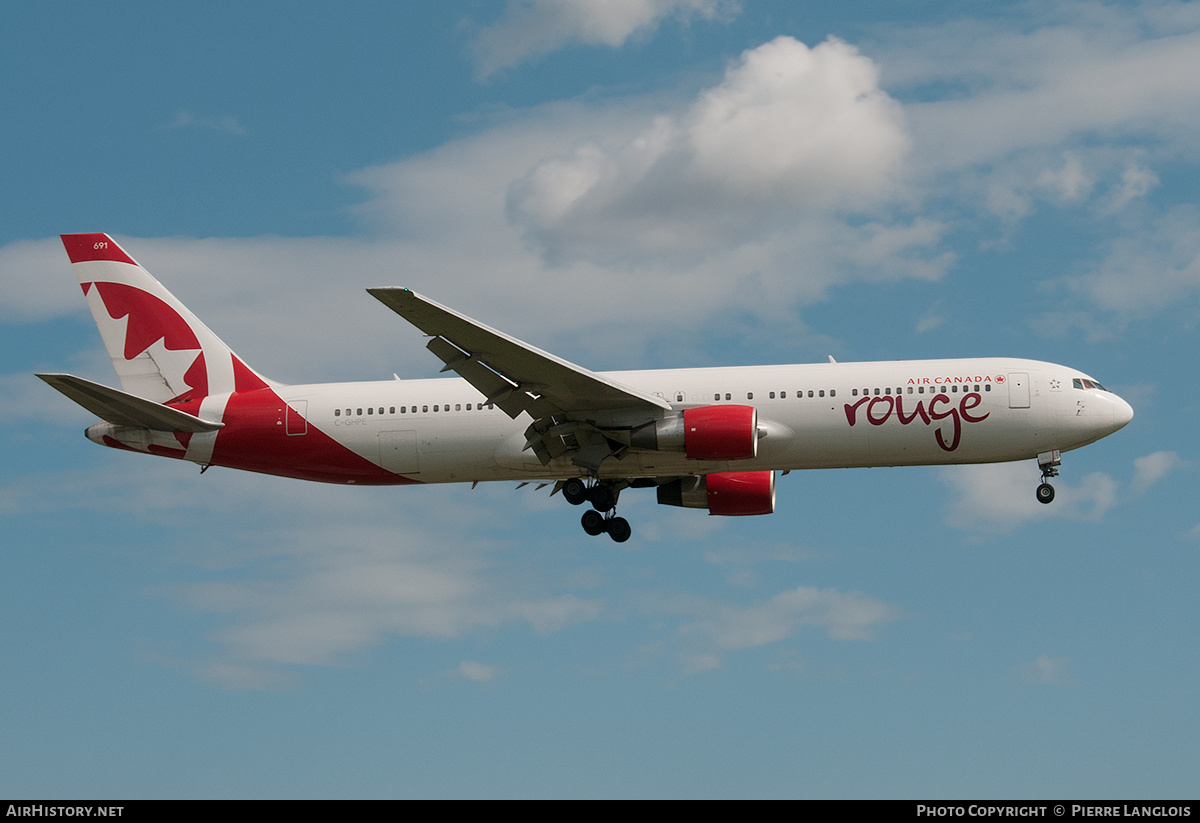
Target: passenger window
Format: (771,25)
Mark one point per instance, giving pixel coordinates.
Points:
(726,395)
(370,411)
(772,396)
(822,392)
(833,392)
(337,412)
(360,411)
(749,395)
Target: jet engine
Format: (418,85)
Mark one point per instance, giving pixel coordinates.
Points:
(704,433)
(725,493)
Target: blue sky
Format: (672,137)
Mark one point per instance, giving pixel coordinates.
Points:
(651,183)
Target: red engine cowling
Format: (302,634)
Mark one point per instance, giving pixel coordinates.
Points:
(705,433)
(730,494)
(720,432)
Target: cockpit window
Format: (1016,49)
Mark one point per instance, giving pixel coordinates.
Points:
(1083,383)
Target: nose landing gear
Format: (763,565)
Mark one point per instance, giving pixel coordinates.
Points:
(1048,463)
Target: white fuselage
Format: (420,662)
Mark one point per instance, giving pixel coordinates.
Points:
(826,415)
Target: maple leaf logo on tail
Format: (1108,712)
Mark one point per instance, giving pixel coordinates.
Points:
(161,351)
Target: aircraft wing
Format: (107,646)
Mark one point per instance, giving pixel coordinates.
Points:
(123,409)
(512,374)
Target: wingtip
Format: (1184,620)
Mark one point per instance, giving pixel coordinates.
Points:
(392,296)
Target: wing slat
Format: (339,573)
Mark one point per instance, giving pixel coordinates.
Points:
(511,373)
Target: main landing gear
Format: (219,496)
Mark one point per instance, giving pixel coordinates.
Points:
(602,516)
(1048,462)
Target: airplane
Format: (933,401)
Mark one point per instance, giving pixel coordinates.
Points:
(706,438)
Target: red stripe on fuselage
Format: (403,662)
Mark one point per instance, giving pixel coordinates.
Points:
(255,439)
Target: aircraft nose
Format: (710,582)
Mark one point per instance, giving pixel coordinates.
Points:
(1122,413)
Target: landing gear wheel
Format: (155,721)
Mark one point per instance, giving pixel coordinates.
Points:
(1045,493)
(618,529)
(593,522)
(602,497)
(575,491)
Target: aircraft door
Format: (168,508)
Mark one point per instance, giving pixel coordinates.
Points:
(1018,390)
(297,412)
(398,452)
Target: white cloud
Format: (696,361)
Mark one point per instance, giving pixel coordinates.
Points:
(311,574)
(1047,671)
(1080,68)
(237,676)
(1136,182)
(1078,105)
(531,28)
(1069,183)
(1148,269)
(790,132)
(34,280)
(717,628)
(350,591)
(478,672)
(1107,179)
(931,319)
(1150,469)
(996,498)
(224,123)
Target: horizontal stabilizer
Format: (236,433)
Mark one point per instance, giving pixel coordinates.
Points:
(122,409)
